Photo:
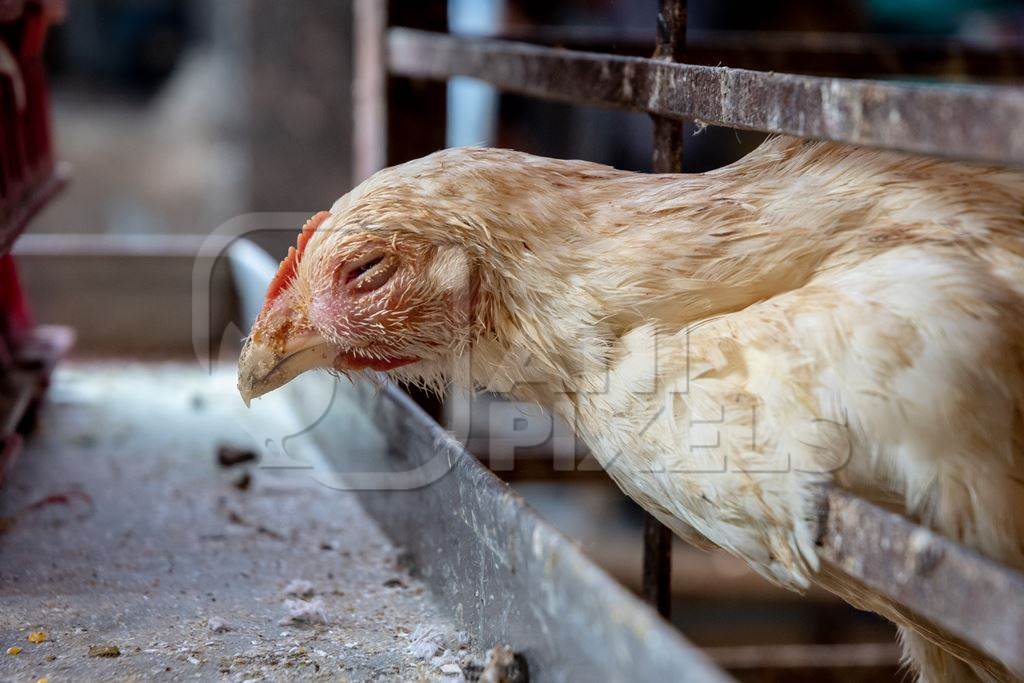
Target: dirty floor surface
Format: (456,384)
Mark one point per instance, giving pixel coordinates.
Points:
(140,557)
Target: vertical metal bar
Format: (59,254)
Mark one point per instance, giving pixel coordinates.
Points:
(416,111)
(657,588)
(416,119)
(668,158)
(369,88)
(668,134)
(394,119)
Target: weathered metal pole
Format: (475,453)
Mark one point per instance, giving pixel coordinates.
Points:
(369,88)
(668,158)
(668,133)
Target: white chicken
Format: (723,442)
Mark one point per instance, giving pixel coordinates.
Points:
(724,342)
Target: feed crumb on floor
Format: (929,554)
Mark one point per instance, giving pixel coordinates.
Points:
(425,642)
(306,612)
(218,625)
(243,482)
(300,588)
(230,456)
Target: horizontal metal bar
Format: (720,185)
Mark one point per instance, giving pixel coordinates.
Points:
(808,659)
(504,574)
(80,245)
(833,54)
(968,596)
(980,123)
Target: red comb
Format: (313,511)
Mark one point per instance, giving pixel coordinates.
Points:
(286,271)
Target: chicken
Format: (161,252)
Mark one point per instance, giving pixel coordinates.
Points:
(725,343)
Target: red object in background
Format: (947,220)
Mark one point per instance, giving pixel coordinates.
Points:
(29,177)
(28,172)
(17,321)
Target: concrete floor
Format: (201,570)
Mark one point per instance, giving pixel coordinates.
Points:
(118,528)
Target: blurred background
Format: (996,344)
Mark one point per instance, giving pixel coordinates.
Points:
(177,116)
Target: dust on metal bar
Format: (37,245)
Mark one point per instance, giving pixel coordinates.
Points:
(832,54)
(974,599)
(979,123)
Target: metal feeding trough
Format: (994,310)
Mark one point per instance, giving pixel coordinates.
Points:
(503,573)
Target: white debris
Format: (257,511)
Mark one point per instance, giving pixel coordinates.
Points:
(426,642)
(218,624)
(304,612)
(300,588)
(449,665)
(450,668)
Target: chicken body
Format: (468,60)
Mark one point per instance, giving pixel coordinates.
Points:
(725,342)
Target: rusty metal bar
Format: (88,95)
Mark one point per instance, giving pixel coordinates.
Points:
(657,572)
(972,598)
(671,42)
(856,55)
(969,122)
(668,158)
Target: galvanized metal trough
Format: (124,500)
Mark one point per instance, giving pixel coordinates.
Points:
(505,574)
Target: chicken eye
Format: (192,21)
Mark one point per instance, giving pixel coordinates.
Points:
(371,274)
(359,271)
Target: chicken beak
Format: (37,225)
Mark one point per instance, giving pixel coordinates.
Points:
(263,368)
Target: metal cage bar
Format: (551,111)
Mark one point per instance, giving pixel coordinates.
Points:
(979,123)
(852,55)
(973,598)
(668,158)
